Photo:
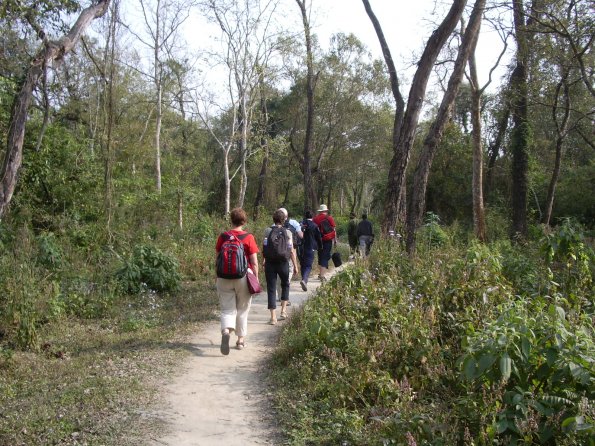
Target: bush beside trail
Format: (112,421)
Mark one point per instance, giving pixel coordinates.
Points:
(465,344)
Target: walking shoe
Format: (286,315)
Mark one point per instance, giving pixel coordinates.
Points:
(303,285)
(225,343)
(283,316)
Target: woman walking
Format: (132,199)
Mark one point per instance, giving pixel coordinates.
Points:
(277,251)
(236,252)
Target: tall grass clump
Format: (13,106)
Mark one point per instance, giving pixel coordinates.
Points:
(465,343)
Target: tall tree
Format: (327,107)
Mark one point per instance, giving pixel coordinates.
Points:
(310,198)
(404,128)
(521,132)
(51,51)
(422,172)
(162,20)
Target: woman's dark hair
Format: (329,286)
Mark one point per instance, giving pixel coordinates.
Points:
(308,214)
(238,217)
(278,216)
(364,216)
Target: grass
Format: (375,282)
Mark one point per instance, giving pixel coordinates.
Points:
(93,380)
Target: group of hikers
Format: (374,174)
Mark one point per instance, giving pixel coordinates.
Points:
(284,243)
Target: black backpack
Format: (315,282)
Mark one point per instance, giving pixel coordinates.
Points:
(326,227)
(276,245)
(294,235)
(231,260)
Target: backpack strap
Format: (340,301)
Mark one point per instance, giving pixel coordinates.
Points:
(227,235)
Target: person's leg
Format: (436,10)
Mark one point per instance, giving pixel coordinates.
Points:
(362,245)
(227,304)
(283,271)
(279,290)
(324,258)
(243,302)
(284,276)
(270,272)
(307,261)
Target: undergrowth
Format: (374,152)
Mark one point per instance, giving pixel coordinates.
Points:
(464,344)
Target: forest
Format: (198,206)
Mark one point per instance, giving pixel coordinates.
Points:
(125,146)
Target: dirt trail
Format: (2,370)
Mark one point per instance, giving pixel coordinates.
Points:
(222,400)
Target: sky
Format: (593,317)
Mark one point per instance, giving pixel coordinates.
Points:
(406,26)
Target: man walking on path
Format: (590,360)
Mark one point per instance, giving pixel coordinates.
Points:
(365,235)
(327,226)
(312,242)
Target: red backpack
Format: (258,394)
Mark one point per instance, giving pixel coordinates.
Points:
(231,260)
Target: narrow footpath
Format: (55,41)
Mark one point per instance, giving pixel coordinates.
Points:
(223,400)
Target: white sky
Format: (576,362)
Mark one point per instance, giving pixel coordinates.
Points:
(406,25)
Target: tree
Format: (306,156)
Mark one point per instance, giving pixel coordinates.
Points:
(248,43)
(162,20)
(51,51)
(310,199)
(420,180)
(406,118)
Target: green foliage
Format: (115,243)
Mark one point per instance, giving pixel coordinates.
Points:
(570,261)
(440,350)
(149,267)
(431,233)
(544,369)
(50,254)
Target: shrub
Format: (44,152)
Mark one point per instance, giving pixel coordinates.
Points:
(431,233)
(570,261)
(541,369)
(50,253)
(151,268)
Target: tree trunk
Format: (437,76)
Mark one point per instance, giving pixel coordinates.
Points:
(111,60)
(243,149)
(520,137)
(404,129)
(180,211)
(260,193)
(422,172)
(51,51)
(479,224)
(159,94)
(495,150)
(561,129)
(227,182)
(310,200)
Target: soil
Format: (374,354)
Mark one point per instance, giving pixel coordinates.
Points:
(223,400)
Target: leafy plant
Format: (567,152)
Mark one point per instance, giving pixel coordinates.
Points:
(544,370)
(149,267)
(431,233)
(50,253)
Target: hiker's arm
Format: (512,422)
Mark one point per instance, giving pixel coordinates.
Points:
(296,268)
(254,263)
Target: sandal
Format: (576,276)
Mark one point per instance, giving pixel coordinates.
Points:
(283,316)
(273,322)
(240,345)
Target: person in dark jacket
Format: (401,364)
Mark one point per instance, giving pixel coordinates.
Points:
(365,235)
(311,243)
